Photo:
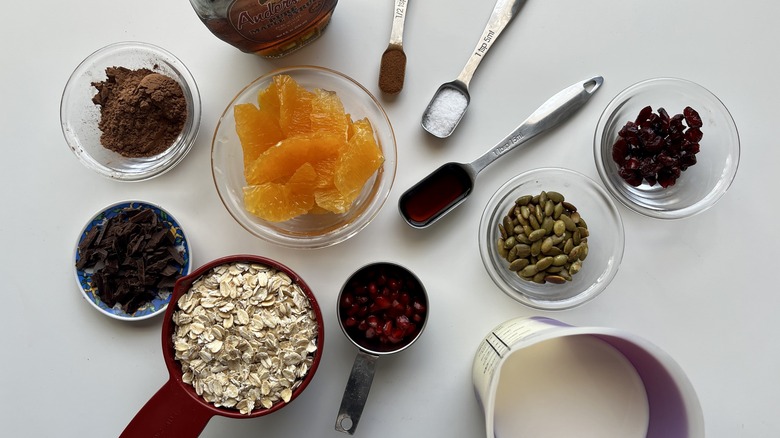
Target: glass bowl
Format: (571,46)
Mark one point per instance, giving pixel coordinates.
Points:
(701,185)
(79,116)
(606,240)
(162,296)
(307,231)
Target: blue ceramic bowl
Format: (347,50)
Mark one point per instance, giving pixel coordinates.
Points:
(161,296)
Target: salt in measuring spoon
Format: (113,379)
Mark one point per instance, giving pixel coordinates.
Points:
(450,101)
(449,185)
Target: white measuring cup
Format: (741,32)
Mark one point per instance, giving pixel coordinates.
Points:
(540,377)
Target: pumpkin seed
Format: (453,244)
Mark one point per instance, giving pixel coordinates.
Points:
(555,279)
(547,245)
(544,263)
(503,252)
(536,235)
(557,210)
(560,260)
(543,238)
(523,200)
(529,271)
(518,264)
(522,250)
(536,248)
(570,225)
(554,196)
(507,225)
(535,224)
(547,224)
(510,242)
(559,227)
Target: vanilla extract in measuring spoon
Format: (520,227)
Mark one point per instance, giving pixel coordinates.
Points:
(449,185)
(450,101)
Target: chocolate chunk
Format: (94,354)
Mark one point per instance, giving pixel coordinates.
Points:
(134,257)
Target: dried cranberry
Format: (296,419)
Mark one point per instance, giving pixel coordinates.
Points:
(693,135)
(644,114)
(656,148)
(692,117)
(620,151)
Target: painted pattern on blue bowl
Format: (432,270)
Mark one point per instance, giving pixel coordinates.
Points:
(162,296)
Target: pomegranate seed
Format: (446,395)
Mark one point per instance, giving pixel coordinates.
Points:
(386,307)
(382,303)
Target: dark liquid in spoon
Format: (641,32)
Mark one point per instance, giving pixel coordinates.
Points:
(442,189)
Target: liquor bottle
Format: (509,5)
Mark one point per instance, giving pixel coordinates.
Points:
(269,28)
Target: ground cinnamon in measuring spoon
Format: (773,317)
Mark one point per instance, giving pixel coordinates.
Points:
(392,70)
(141,112)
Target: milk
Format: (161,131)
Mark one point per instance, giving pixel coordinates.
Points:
(570,386)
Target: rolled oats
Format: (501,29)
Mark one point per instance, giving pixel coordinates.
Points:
(245,336)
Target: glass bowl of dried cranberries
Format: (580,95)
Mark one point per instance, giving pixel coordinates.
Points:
(551,238)
(667,148)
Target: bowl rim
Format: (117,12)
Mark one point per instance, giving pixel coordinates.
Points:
(584,296)
(100,216)
(327,239)
(184,142)
(706,202)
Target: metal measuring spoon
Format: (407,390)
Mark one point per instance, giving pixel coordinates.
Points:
(450,101)
(370,348)
(449,185)
(392,67)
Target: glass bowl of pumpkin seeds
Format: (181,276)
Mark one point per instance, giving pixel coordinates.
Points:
(551,238)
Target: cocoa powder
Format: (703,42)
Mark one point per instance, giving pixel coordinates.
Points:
(141,112)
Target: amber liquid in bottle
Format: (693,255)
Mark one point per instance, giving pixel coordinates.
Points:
(269,28)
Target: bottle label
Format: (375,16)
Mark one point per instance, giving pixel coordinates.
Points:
(268,20)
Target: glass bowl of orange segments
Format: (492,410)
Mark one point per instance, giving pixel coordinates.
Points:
(318,228)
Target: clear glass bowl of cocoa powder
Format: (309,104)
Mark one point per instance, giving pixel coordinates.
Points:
(130,111)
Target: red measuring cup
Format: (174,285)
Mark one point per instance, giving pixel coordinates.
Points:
(176,410)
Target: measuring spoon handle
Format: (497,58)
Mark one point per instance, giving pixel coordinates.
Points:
(399,15)
(557,109)
(503,13)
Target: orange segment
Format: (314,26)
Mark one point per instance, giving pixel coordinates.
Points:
(327,113)
(358,161)
(278,202)
(257,130)
(280,161)
(268,99)
(303,154)
(294,106)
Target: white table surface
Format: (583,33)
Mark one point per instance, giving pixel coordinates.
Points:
(703,289)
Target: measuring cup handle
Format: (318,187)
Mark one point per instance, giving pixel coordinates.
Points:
(356,392)
(170,413)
